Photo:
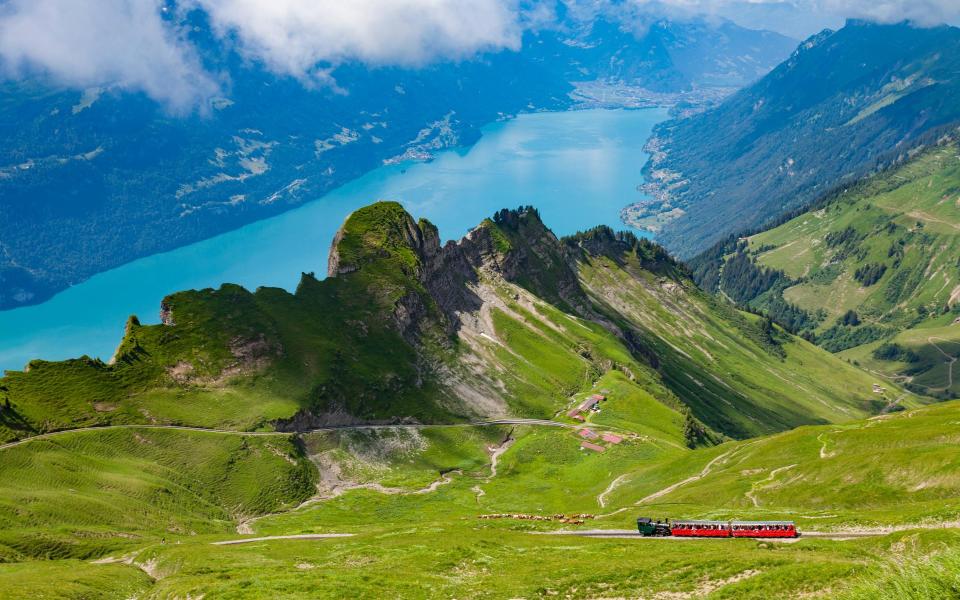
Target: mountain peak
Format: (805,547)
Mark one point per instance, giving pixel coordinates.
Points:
(382,234)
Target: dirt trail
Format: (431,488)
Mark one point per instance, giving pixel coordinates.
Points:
(331,486)
(150,567)
(670,488)
(245,525)
(823,447)
(703,473)
(495,454)
(533,422)
(602,498)
(951,360)
(762,484)
(919,214)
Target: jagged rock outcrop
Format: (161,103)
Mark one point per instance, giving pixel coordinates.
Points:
(166,313)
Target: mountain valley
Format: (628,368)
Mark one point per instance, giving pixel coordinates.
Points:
(445,372)
(242,406)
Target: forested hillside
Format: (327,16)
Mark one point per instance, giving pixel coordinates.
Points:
(844,104)
(870,272)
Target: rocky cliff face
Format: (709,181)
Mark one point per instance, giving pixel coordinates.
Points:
(443,299)
(515,246)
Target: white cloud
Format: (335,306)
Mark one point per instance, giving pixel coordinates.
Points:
(129,43)
(294,36)
(102,43)
(798,18)
(922,12)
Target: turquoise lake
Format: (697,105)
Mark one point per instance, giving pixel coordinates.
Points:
(579,168)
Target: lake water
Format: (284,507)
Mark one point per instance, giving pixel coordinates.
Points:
(578,168)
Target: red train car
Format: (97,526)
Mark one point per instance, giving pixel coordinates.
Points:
(717,529)
(764,529)
(720,529)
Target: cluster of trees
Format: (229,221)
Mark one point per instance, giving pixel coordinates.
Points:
(603,234)
(847,243)
(654,257)
(511,218)
(844,236)
(743,280)
(849,318)
(791,317)
(842,337)
(747,283)
(896,251)
(870,274)
(604,240)
(895,352)
(695,433)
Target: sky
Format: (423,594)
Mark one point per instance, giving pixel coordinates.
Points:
(142,45)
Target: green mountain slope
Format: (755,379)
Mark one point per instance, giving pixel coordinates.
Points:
(86,494)
(735,370)
(510,321)
(874,268)
(887,470)
(846,103)
(412,500)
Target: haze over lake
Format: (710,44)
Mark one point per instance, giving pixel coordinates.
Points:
(579,168)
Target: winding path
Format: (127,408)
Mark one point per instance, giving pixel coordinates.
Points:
(951,360)
(52,434)
(759,485)
(602,498)
(703,473)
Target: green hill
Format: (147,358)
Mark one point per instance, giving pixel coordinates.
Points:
(873,270)
(350,407)
(412,498)
(510,321)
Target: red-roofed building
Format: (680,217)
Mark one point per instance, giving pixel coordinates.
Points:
(586,433)
(598,397)
(588,404)
(613,439)
(593,447)
(579,417)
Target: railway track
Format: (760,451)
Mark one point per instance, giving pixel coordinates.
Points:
(634,534)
